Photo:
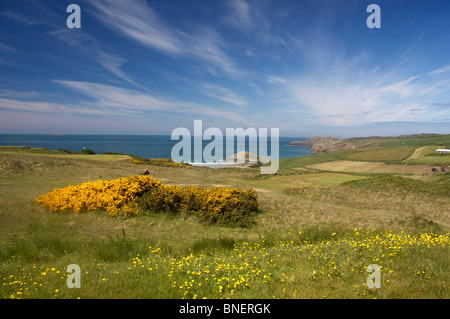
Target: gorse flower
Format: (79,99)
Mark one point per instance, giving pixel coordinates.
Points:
(126,196)
(216,205)
(112,196)
(285,268)
(158,162)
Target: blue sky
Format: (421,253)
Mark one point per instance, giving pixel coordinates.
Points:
(148,67)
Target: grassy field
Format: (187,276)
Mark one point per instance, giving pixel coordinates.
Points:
(372,167)
(383,153)
(315,234)
(427,155)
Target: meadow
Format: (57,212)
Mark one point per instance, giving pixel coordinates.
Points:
(320,222)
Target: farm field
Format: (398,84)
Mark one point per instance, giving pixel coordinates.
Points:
(383,153)
(427,154)
(320,222)
(372,167)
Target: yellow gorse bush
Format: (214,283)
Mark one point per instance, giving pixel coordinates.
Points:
(110,195)
(219,204)
(126,196)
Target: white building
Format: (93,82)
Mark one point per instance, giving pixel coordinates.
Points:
(442,150)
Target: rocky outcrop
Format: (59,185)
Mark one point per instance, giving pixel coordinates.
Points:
(321,143)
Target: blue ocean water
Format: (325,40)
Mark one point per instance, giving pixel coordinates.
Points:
(147,146)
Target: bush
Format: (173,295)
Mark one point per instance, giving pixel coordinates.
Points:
(87,151)
(64,150)
(114,196)
(217,205)
(128,195)
(158,162)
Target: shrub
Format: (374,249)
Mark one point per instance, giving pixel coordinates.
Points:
(87,151)
(128,195)
(114,196)
(157,162)
(217,205)
(64,150)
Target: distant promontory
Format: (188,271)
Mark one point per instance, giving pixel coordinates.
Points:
(324,143)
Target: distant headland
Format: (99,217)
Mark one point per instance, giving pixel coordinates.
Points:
(324,143)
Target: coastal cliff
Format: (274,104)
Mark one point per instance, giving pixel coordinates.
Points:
(324,143)
(321,143)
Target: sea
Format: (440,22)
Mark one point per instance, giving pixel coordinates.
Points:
(146,146)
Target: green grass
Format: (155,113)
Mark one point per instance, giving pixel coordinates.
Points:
(393,151)
(292,163)
(317,264)
(442,140)
(371,168)
(395,183)
(314,244)
(383,153)
(427,155)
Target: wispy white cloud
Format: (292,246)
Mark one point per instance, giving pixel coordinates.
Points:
(276,80)
(117,98)
(406,55)
(52,108)
(344,96)
(113,64)
(253,19)
(208,47)
(239,15)
(19,94)
(111,101)
(36,13)
(440,70)
(125,100)
(80,41)
(7,49)
(90,47)
(224,94)
(342,89)
(352,104)
(138,21)
(20,18)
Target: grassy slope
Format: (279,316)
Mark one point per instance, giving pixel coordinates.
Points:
(300,245)
(395,150)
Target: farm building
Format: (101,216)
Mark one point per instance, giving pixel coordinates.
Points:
(442,150)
